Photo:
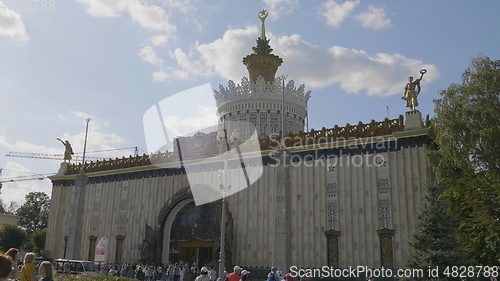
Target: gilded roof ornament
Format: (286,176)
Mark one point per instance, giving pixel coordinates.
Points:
(262,47)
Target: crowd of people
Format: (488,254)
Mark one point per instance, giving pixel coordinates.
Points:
(9,269)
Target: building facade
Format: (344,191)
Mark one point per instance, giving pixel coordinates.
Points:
(343,196)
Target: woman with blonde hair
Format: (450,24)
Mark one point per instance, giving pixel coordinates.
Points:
(46,271)
(12,253)
(27,272)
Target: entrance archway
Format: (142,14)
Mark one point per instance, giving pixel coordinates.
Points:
(190,232)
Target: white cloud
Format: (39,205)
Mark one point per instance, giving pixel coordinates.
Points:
(355,70)
(151,17)
(160,76)
(149,55)
(23,146)
(159,40)
(148,16)
(12,25)
(106,8)
(183,5)
(335,13)
(280,7)
(375,18)
(205,118)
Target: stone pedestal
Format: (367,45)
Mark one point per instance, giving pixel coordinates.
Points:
(63,168)
(413,120)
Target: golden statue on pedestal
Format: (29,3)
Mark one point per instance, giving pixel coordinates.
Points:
(412,89)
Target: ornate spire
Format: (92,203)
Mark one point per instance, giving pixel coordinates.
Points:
(262,16)
(263,47)
(262,62)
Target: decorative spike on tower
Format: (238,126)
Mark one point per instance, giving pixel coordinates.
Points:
(262,62)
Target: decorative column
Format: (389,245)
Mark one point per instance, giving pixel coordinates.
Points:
(332,240)
(92,244)
(96,209)
(386,248)
(332,215)
(385,232)
(282,213)
(119,248)
(75,221)
(122,218)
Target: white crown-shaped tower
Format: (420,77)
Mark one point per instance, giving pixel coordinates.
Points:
(263,99)
(260,103)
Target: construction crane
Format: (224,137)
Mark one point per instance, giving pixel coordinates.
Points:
(61,156)
(50,156)
(29,176)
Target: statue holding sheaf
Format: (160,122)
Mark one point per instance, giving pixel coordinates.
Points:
(412,90)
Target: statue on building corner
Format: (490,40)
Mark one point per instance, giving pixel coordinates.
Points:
(412,90)
(68,151)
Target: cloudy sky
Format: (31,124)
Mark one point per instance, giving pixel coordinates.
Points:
(62,61)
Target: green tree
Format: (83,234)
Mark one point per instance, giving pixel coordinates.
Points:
(11,209)
(35,212)
(38,240)
(3,208)
(432,244)
(468,156)
(11,237)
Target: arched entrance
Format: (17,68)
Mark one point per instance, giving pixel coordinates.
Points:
(190,232)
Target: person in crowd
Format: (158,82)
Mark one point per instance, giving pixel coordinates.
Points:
(212,274)
(170,273)
(194,271)
(66,267)
(139,274)
(112,271)
(149,273)
(236,275)
(12,253)
(5,267)
(46,271)
(176,272)
(159,270)
(274,274)
(182,272)
(245,275)
(289,276)
(123,270)
(203,275)
(27,272)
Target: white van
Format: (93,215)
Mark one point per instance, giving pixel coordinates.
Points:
(76,266)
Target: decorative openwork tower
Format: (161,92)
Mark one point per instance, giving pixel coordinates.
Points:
(259,100)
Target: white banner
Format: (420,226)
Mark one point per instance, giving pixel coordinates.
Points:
(100,249)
